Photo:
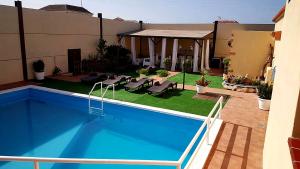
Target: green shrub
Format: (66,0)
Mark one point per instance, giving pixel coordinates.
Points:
(38,66)
(117,56)
(162,73)
(56,71)
(92,56)
(226,63)
(144,71)
(168,63)
(264,91)
(101,47)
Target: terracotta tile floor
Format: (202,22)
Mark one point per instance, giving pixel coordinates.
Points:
(241,139)
(16,84)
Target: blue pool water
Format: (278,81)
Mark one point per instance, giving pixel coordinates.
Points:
(39,123)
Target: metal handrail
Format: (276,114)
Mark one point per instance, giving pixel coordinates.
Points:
(91,91)
(102,94)
(208,122)
(37,160)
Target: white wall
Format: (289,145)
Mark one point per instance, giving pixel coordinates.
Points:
(282,122)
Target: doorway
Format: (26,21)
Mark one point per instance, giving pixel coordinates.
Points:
(74,61)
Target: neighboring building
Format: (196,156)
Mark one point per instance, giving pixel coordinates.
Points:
(119,19)
(66,8)
(227,21)
(284,115)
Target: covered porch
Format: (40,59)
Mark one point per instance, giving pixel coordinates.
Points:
(166,49)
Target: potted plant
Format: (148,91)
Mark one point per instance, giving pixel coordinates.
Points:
(38,67)
(264,92)
(201,83)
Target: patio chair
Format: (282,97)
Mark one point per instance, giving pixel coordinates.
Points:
(94,77)
(158,88)
(116,80)
(136,85)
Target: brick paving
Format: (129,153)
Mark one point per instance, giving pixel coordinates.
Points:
(16,84)
(241,138)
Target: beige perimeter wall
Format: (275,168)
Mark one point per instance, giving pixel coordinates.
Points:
(224,33)
(249,52)
(285,99)
(48,36)
(225,30)
(10,57)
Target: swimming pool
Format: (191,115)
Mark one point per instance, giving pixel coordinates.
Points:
(38,122)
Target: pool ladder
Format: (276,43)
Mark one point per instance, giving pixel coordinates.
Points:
(99,110)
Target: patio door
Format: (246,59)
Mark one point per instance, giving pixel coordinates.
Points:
(74,61)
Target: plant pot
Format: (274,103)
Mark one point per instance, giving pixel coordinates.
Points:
(39,75)
(199,89)
(264,104)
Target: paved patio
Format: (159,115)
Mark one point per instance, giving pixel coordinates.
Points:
(241,139)
(16,84)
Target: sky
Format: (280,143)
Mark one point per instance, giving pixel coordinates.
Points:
(173,11)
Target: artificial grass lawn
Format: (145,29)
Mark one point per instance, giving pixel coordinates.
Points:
(174,99)
(191,78)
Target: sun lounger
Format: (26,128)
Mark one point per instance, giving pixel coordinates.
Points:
(160,88)
(116,80)
(94,77)
(136,85)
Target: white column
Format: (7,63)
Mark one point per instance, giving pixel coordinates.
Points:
(151,51)
(202,55)
(122,42)
(163,52)
(207,55)
(174,55)
(133,51)
(196,56)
